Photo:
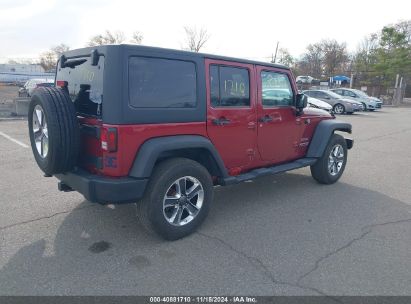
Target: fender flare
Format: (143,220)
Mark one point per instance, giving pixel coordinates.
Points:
(322,135)
(150,150)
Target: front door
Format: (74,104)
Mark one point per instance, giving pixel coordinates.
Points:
(231,114)
(279,129)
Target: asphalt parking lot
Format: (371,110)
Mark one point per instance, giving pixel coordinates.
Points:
(279,235)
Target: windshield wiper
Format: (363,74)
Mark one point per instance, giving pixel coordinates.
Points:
(73,63)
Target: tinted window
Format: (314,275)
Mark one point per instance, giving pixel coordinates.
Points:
(230,87)
(276,89)
(162,83)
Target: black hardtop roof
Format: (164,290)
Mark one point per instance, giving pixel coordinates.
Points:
(103,49)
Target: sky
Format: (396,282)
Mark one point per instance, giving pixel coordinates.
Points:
(245,29)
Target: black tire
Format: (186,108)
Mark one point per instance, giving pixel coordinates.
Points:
(364,106)
(150,209)
(320,170)
(62,128)
(339,109)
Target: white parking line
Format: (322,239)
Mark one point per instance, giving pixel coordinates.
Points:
(13,140)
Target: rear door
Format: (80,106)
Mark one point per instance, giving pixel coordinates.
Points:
(231,113)
(83,81)
(279,129)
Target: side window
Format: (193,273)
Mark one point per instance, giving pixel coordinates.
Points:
(214,86)
(276,89)
(349,93)
(339,92)
(322,95)
(229,86)
(162,83)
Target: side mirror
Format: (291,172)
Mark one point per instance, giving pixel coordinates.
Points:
(301,102)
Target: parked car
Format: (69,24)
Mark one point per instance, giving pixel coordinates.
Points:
(319,104)
(368,103)
(30,85)
(307,80)
(161,127)
(340,105)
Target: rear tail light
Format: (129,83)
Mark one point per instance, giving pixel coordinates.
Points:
(108,138)
(61,83)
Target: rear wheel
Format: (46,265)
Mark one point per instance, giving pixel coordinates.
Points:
(339,109)
(364,106)
(329,168)
(53,129)
(177,198)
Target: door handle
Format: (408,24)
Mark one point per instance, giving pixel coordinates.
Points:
(222,121)
(266,118)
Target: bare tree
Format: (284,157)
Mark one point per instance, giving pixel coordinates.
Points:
(195,39)
(335,56)
(108,37)
(365,57)
(311,61)
(48,60)
(60,49)
(137,38)
(284,57)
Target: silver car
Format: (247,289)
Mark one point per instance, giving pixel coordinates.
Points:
(369,103)
(340,105)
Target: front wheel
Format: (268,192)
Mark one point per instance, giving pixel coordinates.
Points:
(329,168)
(177,198)
(339,109)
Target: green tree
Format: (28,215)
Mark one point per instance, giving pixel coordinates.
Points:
(393,55)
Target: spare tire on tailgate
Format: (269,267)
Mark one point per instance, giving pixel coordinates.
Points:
(54,130)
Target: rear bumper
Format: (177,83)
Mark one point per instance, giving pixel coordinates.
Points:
(103,190)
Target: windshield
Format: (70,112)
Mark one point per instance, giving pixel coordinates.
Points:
(361,93)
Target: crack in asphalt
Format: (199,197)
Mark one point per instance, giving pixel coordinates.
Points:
(366,230)
(264,269)
(42,218)
(385,135)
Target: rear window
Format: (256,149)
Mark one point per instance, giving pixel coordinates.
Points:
(162,83)
(84,84)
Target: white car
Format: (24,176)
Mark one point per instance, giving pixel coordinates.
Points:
(31,84)
(319,104)
(304,79)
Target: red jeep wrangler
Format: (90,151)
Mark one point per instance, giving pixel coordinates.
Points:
(160,127)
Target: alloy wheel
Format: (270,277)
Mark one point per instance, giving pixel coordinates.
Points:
(40,131)
(339,109)
(183,200)
(336,160)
